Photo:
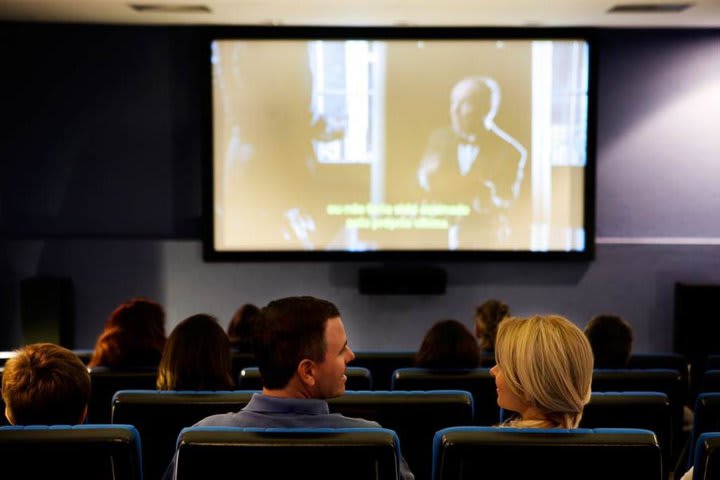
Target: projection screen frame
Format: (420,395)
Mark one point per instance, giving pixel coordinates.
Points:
(211,34)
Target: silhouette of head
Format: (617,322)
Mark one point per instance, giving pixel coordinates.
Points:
(473,104)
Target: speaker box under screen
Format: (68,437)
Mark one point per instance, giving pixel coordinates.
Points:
(47,310)
(401,280)
(697,320)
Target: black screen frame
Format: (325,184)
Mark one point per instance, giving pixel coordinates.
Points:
(398,33)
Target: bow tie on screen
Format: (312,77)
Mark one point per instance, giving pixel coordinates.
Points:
(467,153)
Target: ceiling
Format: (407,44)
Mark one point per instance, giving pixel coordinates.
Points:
(503,13)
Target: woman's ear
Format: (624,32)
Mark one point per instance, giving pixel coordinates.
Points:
(307,371)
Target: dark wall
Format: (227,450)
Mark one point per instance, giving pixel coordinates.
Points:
(101,138)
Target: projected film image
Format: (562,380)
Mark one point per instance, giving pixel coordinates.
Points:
(399,145)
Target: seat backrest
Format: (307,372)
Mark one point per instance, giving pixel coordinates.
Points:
(351,453)
(159,416)
(667,381)
(710,381)
(707,456)
(672,361)
(479,453)
(105,382)
(705,420)
(85,452)
(241,360)
(358,378)
(643,410)
(415,416)
(383,364)
(477,381)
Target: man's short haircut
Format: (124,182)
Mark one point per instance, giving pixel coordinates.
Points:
(45,384)
(290,330)
(611,339)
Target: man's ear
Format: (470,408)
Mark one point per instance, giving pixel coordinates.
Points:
(307,371)
(8,415)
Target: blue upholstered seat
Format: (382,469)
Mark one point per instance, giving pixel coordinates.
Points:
(348,453)
(478,453)
(159,416)
(83,452)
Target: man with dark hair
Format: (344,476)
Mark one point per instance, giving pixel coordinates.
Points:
(302,354)
(45,384)
(611,338)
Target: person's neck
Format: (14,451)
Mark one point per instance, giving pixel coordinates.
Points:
(291,390)
(532,414)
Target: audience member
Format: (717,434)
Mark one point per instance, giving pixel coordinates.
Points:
(45,384)
(134,336)
(448,344)
(487,318)
(302,354)
(543,371)
(611,338)
(196,357)
(242,326)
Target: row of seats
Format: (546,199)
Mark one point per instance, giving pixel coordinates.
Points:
(479,382)
(113,452)
(415,416)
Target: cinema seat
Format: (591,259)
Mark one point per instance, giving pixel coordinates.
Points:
(644,410)
(358,378)
(80,452)
(383,364)
(105,382)
(415,416)
(477,381)
(479,453)
(707,457)
(159,416)
(706,419)
(667,381)
(317,454)
(241,360)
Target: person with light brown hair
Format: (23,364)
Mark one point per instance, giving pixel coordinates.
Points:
(45,384)
(543,371)
(134,336)
(487,318)
(196,357)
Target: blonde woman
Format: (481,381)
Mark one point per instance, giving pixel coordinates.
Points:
(543,371)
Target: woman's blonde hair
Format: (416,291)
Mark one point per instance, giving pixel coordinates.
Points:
(546,361)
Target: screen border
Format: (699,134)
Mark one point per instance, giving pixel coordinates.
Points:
(397,33)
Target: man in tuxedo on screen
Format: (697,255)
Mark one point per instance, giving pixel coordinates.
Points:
(476,163)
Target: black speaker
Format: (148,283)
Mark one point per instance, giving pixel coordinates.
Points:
(47,310)
(697,320)
(402,280)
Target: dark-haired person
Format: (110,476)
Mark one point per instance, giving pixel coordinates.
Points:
(45,384)
(133,337)
(611,338)
(302,354)
(487,319)
(196,357)
(242,326)
(448,344)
